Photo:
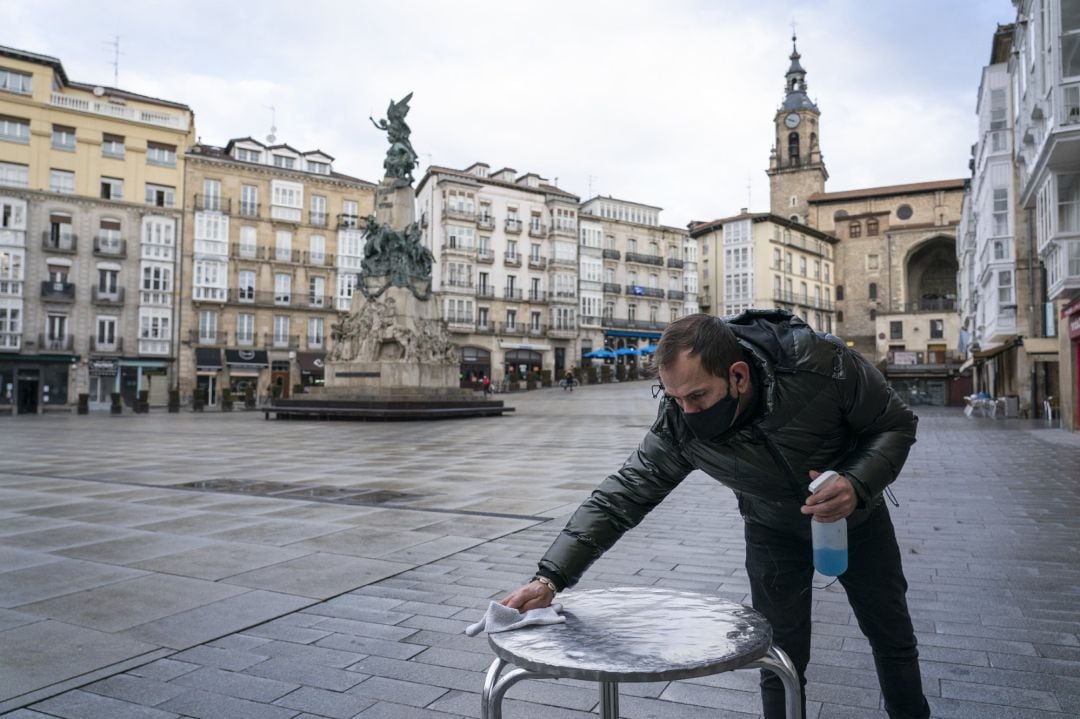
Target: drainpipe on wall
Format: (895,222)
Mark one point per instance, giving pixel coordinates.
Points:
(1033,328)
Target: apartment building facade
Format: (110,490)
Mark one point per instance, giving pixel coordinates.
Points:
(763,260)
(636,274)
(505,273)
(1044,83)
(90,183)
(272,245)
(1004,317)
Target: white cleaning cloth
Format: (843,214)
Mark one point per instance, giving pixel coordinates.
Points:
(502,619)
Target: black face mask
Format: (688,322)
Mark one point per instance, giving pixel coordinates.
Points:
(708,424)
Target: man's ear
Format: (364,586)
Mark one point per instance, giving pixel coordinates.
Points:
(741,372)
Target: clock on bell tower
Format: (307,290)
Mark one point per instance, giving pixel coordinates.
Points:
(796,166)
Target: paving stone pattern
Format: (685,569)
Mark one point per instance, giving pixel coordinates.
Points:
(371,603)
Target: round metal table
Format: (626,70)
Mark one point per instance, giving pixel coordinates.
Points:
(637,634)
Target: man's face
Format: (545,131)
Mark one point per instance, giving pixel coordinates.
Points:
(690,386)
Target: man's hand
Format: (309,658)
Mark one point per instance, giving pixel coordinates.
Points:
(836,501)
(534,595)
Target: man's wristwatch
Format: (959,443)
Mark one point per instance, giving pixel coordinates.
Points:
(546,582)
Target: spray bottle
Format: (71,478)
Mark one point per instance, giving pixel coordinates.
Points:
(830,538)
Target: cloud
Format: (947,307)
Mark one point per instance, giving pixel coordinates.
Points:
(666,103)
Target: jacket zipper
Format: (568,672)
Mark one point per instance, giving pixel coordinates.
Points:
(800,491)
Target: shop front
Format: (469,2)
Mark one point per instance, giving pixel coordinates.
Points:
(30,384)
(475,366)
(137,375)
(208,369)
(1072,315)
(104,375)
(312,368)
(245,366)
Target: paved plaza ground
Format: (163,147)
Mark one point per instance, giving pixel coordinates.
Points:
(314,569)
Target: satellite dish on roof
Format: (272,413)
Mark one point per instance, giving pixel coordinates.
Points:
(99,91)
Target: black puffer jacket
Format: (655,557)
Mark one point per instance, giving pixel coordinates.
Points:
(819,406)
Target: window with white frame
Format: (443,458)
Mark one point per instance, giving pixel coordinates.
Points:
(737,259)
(15,81)
(1070,40)
(458,274)
(350,212)
(565,285)
(154,324)
(802,265)
(155,284)
(281,330)
(285,162)
(112,146)
(591,237)
(211,234)
(245,329)
(158,238)
(460,201)
(10,323)
(459,310)
(590,306)
(282,288)
(210,280)
(62,181)
(208,321)
(690,283)
(317,249)
(245,285)
(317,291)
(1005,288)
(1068,202)
(1001,211)
(317,212)
(591,269)
(108,280)
(999,250)
(316,332)
(247,155)
(737,232)
(346,283)
(11,271)
(565,252)
(249,200)
(15,129)
(248,242)
(63,138)
(319,168)
(158,153)
(160,195)
(287,199)
(460,237)
(105,337)
(56,327)
(211,197)
(14,175)
(565,220)
(112,188)
(563,318)
(283,246)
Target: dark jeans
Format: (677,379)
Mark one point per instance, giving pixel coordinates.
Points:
(781,569)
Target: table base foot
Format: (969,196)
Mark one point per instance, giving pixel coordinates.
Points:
(495,688)
(776,661)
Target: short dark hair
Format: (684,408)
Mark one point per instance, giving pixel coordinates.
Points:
(705,336)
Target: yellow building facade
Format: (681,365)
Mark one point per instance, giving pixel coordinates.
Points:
(762,260)
(272,244)
(90,184)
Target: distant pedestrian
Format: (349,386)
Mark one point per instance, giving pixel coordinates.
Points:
(568,381)
(486,384)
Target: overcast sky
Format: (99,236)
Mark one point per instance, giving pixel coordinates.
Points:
(669,103)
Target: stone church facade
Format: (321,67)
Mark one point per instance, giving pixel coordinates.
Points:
(896,256)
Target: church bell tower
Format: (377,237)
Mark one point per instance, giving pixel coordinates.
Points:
(796,166)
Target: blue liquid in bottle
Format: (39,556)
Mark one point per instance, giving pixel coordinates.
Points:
(830,562)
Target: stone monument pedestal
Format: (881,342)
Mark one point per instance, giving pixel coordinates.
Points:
(391,356)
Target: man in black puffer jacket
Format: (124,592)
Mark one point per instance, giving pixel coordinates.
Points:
(763,404)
